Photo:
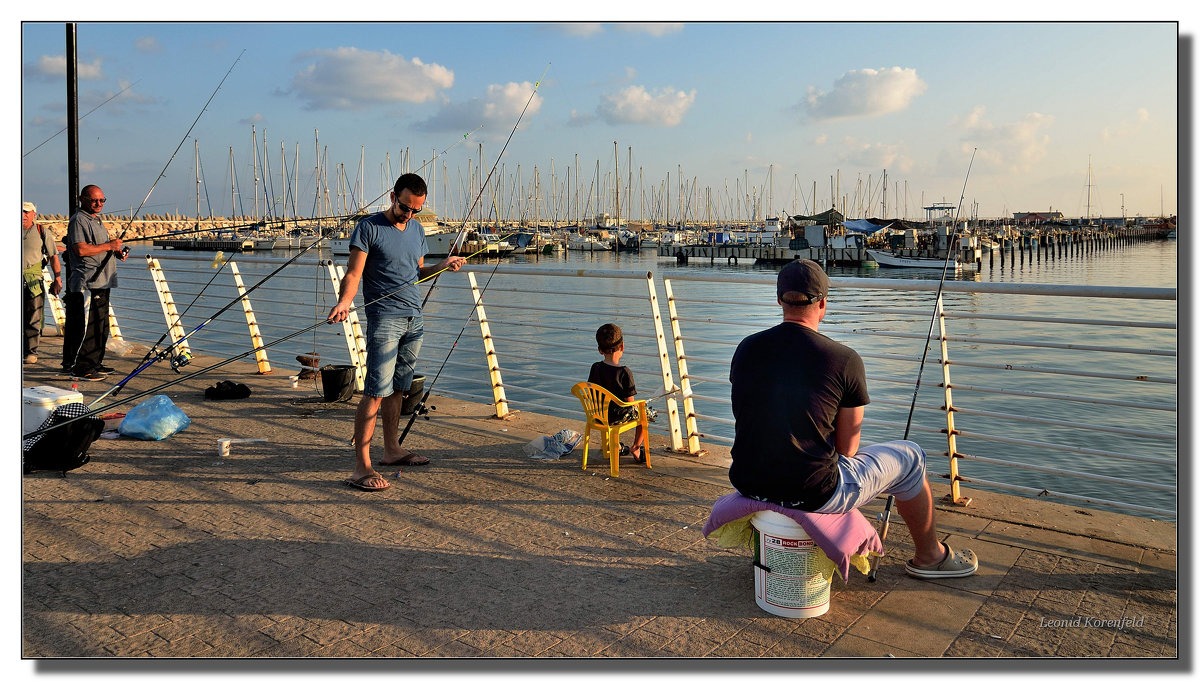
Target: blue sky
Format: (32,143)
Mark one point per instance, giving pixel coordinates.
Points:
(743,110)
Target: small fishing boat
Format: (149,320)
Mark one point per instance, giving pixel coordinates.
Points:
(586,242)
(886,259)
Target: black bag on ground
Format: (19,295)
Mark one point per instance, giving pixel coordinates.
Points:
(65,448)
(227,390)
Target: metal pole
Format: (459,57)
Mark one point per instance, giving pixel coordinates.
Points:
(72,124)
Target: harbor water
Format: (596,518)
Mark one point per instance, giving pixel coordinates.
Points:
(1148,264)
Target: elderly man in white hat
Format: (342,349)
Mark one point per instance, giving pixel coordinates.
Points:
(37,251)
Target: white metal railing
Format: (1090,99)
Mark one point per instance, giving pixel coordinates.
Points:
(1151,452)
(1034,413)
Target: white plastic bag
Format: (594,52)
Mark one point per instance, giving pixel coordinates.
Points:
(555,446)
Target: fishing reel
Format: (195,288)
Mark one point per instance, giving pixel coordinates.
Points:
(180,360)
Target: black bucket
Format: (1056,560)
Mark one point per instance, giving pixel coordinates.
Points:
(415,393)
(337,380)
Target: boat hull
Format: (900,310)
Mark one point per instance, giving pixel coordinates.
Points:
(888,260)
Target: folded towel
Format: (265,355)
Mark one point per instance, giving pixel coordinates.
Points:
(846,538)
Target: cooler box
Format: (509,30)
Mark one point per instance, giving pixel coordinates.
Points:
(40,401)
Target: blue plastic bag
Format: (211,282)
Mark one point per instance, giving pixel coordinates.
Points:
(154,419)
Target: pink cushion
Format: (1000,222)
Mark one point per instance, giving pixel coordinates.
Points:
(840,535)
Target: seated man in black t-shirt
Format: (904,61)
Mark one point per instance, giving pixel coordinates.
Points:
(798,403)
(618,380)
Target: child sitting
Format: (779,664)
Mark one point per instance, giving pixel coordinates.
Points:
(618,380)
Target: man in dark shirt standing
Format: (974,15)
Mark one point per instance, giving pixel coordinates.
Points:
(798,404)
(92,269)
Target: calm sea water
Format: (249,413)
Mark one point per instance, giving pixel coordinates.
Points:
(737,310)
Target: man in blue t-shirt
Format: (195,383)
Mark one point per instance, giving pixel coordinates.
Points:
(387,252)
(798,403)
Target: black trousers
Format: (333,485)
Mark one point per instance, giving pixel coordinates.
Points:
(86,332)
(31,331)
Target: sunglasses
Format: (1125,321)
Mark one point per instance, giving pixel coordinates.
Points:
(405,209)
(95,200)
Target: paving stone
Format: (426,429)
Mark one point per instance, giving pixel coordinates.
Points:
(490,554)
(928,620)
(849,645)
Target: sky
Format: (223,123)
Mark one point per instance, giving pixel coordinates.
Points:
(762,118)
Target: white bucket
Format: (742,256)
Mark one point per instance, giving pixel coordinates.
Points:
(794,586)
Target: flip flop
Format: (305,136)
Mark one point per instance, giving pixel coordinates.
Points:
(413,459)
(955,564)
(360,483)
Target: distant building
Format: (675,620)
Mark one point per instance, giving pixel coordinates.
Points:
(1045,216)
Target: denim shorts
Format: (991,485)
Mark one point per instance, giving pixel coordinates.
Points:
(392,347)
(896,468)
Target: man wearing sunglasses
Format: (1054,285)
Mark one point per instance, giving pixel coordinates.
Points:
(387,253)
(92,269)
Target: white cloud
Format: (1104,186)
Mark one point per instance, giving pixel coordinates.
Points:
(821,139)
(1010,147)
(875,155)
(148,45)
(116,105)
(634,104)
(650,28)
(253,119)
(865,93)
(587,29)
(580,29)
(749,138)
(350,78)
(1125,128)
(497,110)
(54,66)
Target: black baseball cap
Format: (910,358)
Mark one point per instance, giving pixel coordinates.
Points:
(802,282)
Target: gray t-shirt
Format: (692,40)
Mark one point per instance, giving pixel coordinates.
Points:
(89,229)
(393,258)
(35,246)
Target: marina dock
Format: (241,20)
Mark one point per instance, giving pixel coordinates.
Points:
(165,549)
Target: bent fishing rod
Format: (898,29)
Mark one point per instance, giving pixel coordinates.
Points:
(420,408)
(224,362)
(161,175)
(176,364)
(885,518)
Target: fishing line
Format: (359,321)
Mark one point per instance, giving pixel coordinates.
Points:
(181,358)
(886,517)
(224,362)
(461,232)
(82,117)
(161,175)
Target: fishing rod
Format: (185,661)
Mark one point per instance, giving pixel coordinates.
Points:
(180,359)
(181,379)
(177,362)
(429,389)
(235,227)
(161,175)
(886,516)
(82,117)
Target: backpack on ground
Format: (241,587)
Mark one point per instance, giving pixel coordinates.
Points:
(64,448)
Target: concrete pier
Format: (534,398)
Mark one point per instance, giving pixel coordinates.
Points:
(165,549)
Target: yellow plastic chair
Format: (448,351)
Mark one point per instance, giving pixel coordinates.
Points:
(595,401)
